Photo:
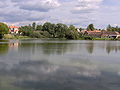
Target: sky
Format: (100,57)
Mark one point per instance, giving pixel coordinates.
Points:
(76,12)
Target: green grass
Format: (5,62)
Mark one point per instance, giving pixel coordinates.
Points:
(22,37)
(10,36)
(102,39)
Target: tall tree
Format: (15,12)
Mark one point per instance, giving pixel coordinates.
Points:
(49,27)
(61,30)
(3,29)
(109,28)
(71,33)
(72,27)
(90,27)
(34,26)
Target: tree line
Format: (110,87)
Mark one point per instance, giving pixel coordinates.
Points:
(50,30)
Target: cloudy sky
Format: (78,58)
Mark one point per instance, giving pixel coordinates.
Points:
(76,12)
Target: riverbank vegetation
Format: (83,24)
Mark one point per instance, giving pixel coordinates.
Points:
(51,30)
(3,29)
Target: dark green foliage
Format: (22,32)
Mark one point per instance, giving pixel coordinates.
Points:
(39,28)
(88,38)
(50,30)
(61,30)
(45,34)
(36,35)
(72,33)
(90,27)
(34,26)
(26,30)
(3,29)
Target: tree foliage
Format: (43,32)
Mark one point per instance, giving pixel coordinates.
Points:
(39,28)
(90,27)
(110,28)
(50,30)
(3,29)
(34,26)
(26,30)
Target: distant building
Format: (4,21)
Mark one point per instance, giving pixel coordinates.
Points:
(110,34)
(95,33)
(102,34)
(13,29)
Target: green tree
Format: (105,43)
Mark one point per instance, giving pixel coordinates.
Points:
(26,30)
(90,27)
(49,27)
(61,30)
(39,28)
(34,26)
(72,27)
(109,28)
(72,33)
(3,29)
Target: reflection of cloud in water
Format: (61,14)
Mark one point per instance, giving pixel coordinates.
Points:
(42,75)
(42,70)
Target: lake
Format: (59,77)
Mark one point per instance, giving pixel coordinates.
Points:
(35,64)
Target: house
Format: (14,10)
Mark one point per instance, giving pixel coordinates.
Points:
(110,34)
(13,29)
(95,33)
(102,34)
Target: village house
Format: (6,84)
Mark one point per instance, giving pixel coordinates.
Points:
(110,34)
(101,34)
(13,29)
(95,33)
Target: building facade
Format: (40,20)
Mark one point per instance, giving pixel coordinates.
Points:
(13,29)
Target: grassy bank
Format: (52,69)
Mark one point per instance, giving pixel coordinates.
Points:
(9,36)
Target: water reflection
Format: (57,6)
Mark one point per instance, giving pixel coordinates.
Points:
(90,47)
(43,75)
(4,48)
(59,65)
(60,48)
(112,47)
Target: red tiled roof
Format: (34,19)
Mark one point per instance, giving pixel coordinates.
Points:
(13,27)
(93,31)
(110,33)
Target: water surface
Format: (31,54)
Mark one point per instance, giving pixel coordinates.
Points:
(59,65)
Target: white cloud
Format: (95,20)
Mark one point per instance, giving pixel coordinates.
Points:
(77,12)
(86,6)
(37,5)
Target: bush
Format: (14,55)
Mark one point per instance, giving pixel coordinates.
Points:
(36,35)
(88,37)
(45,34)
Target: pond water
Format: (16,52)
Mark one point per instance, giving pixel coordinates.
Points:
(59,65)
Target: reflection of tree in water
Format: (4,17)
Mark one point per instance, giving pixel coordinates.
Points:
(112,47)
(56,48)
(46,48)
(4,48)
(90,47)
